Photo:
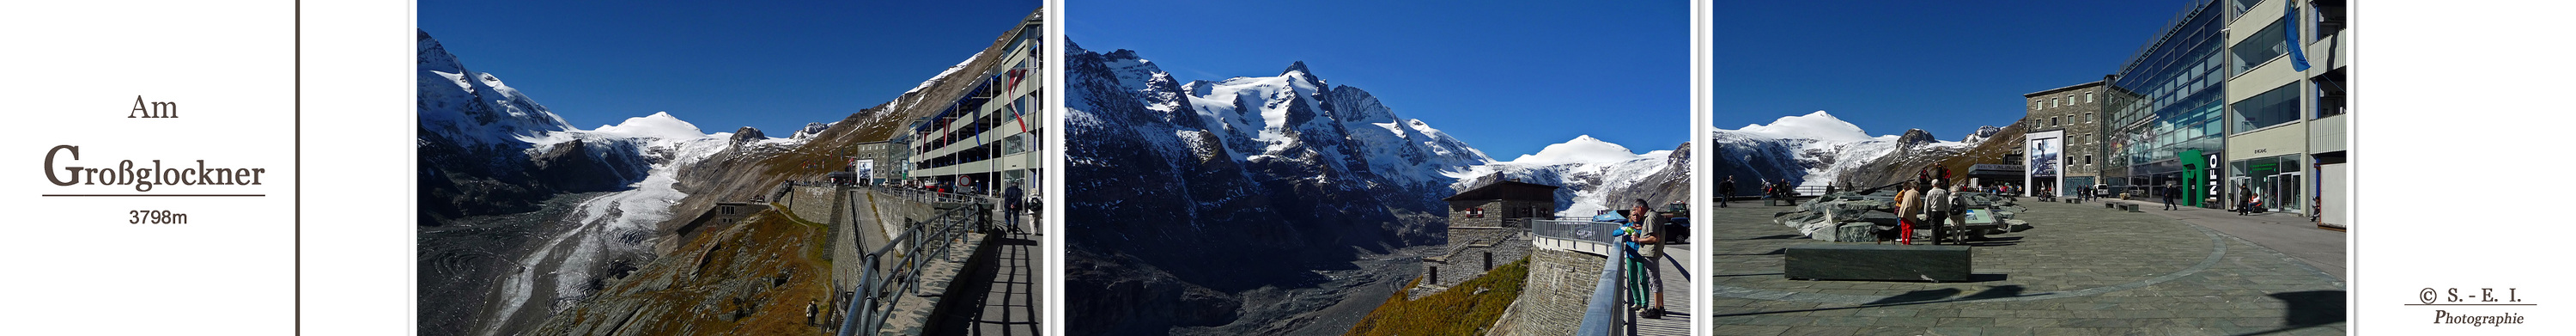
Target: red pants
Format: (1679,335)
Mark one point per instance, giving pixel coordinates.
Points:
(1905,231)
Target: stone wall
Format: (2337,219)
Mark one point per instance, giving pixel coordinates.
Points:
(810,203)
(1466,257)
(1554,296)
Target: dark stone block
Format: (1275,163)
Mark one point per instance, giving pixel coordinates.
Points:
(1877,262)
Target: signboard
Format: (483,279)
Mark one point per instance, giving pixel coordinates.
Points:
(2045,152)
(865,168)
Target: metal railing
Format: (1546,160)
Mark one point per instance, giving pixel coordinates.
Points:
(1579,230)
(927,196)
(921,244)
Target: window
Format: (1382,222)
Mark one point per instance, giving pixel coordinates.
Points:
(2088,117)
(2088,97)
(2261,47)
(2052,121)
(2330,92)
(2274,107)
(2088,159)
(2052,102)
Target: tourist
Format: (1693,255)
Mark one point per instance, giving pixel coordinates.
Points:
(1651,251)
(2169,195)
(1011,208)
(1909,203)
(1937,209)
(1725,190)
(2245,207)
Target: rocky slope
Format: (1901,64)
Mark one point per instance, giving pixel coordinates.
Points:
(1819,149)
(1187,194)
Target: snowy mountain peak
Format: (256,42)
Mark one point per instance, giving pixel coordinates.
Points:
(659,125)
(1299,66)
(1819,126)
(1583,148)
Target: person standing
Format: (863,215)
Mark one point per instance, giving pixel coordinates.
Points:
(1909,203)
(1936,210)
(1011,207)
(2246,205)
(1650,241)
(1725,190)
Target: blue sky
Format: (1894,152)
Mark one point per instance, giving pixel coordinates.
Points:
(1508,77)
(720,65)
(1887,66)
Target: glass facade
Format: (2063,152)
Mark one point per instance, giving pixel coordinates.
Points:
(2281,105)
(2168,101)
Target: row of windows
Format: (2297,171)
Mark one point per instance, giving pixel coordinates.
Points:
(2055,102)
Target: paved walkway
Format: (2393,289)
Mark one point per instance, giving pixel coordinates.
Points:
(1677,303)
(1006,287)
(2083,270)
(2288,233)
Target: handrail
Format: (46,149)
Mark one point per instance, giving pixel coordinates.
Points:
(1608,311)
(921,243)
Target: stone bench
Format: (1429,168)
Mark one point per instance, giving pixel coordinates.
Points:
(2129,207)
(1936,263)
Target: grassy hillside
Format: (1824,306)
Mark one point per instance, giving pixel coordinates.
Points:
(1466,309)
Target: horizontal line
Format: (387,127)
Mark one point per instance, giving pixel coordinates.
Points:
(2474,304)
(156,195)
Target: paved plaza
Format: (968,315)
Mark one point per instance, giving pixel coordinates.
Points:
(2082,270)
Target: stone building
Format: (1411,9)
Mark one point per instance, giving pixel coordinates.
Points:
(880,160)
(1487,228)
(2075,114)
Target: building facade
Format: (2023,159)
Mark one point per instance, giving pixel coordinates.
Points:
(991,136)
(1487,227)
(874,163)
(2238,100)
(2166,107)
(2075,114)
(2287,112)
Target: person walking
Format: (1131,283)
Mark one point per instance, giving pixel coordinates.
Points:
(1936,210)
(1650,241)
(1011,207)
(1725,190)
(2169,194)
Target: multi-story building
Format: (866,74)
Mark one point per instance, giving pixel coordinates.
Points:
(2166,107)
(2285,97)
(2237,95)
(2073,115)
(992,133)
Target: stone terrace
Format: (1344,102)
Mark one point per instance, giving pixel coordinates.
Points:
(2083,270)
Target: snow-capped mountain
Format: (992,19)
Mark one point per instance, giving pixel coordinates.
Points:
(1817,149)
(1585,169)
(488,149)
(1186,192)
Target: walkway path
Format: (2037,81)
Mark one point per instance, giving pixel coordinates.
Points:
(1677,303)
(2289,233)
(2082,270)
(1006,286)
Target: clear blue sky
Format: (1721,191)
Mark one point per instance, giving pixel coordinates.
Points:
(1887,66)
(720,65)
(1508,77)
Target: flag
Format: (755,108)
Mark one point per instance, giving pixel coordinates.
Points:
(2290,17)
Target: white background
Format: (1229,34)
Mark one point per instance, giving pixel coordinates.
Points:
(72,265)
(2461,162)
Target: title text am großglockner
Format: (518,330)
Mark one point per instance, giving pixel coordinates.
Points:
(142,178)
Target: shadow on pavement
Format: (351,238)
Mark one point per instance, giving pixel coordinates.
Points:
(2309,309)
(1923,297)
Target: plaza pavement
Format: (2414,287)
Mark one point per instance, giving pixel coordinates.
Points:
(2082,270)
